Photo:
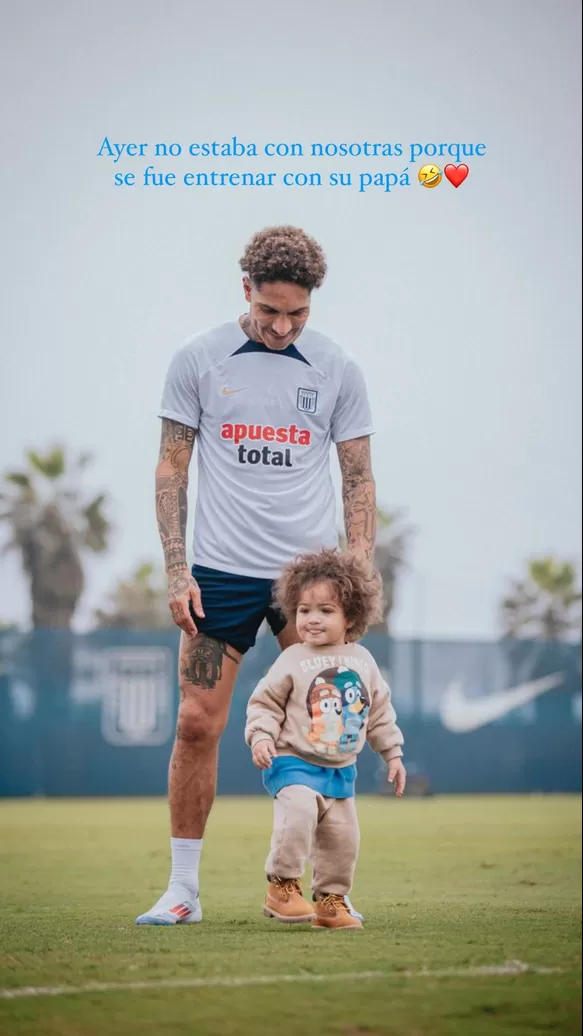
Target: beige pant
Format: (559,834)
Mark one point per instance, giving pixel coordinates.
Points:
(307,825)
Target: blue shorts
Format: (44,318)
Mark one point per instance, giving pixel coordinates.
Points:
(235,606)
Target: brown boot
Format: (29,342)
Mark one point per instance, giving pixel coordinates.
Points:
(285,902)
(332,912)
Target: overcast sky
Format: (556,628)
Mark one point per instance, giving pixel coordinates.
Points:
(461,305)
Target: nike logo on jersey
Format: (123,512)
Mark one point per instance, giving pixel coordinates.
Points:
(461,714)
(230,392)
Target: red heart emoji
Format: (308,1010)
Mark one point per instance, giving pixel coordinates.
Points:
(456,174)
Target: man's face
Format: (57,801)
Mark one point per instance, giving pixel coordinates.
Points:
(278,311)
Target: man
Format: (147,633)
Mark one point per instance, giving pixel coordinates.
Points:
(264,397)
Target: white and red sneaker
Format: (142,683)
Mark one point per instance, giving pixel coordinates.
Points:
(176,906)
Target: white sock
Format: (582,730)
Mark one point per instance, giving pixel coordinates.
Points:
(185,861)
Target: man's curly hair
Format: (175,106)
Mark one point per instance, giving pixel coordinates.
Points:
(284,254)
(358,593)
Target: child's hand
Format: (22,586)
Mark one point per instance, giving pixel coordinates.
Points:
(262,753)
(397,776)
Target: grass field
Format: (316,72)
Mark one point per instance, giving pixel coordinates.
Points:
(446,884)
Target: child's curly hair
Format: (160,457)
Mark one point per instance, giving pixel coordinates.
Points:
(284,254)
(359,593)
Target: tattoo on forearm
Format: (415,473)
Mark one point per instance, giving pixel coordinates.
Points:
(358,495)
(359,519)
(176,447)
(201,662)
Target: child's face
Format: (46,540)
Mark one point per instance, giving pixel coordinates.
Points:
(320,620)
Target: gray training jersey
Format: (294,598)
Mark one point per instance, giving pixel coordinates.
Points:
(264,421)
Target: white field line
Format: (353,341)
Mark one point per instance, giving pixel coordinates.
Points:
(513,967)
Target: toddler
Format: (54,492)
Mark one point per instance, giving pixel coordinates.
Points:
(307,720)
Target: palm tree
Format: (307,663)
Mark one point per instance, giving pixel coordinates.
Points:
(51,525)
(140,602)
(393,539)
(546,605)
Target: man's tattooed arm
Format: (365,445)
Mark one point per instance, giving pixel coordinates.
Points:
(176,445)
(358,496)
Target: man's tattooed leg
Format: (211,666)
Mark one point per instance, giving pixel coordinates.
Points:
(202,661)
(208,669)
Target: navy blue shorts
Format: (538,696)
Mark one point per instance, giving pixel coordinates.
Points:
(235,606)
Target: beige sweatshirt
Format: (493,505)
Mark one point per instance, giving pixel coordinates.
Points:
(323,705)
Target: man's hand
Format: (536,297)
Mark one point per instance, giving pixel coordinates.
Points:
(366,565)
(397,776)
(262,753)
(183,591)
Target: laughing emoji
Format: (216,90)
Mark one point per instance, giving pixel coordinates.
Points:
(429,176)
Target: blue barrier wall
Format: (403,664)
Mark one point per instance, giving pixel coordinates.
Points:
(94,714)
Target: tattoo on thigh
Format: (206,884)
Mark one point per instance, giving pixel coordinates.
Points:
(202,662)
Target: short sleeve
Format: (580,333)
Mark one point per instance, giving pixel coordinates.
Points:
(351,417)
(180,398)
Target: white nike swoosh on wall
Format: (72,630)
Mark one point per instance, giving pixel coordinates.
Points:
(461,714)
